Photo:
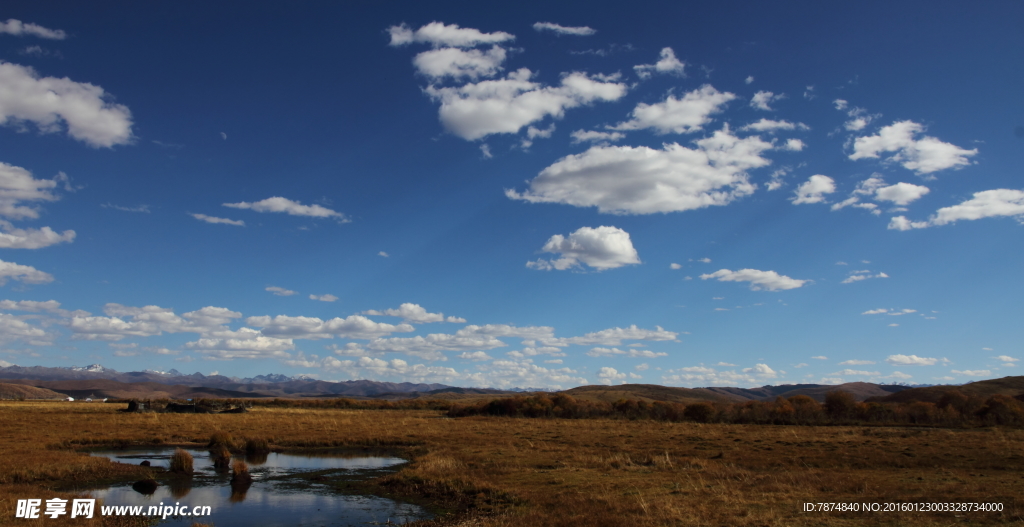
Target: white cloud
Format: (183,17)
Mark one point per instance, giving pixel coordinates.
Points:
(642,180)
(213,219)
(598,248)
(973,373)
(768,125)
(607,375)
(323,298)
(762,99)
(17,185)
(840,104)
(580,136)
(856,362)
(22,273)
(122,208)
(923,156)
(1006,358)
(674,266)
(820,357)
(459,63)
(353,327)
(761,370)
(504,106)
(294,208)
(984,204)
(614,337)
(814,190)
(856,276)
(13,328)
(759,280)
(485,150)
(384,254)
(681,116)
(255,346)
(749,79)
(667,63)
(878,311)
(280,291)
(475,356)
(14,238)
(50,103)
(437,34)
(581,31)
(910,360)
(794,145)
(413,313)
(901,193)
(16,27)
(848,372)
(633,353)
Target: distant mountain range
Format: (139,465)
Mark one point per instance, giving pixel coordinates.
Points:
(98,381)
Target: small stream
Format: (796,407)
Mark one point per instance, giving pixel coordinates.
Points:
(288,489)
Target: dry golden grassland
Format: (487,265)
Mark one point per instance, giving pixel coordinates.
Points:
(493,471)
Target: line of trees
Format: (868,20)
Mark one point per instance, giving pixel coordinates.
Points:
(953,409)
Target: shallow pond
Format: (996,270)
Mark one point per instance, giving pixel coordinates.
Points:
(288,489)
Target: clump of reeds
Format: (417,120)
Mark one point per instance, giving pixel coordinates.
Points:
(221,457)
(240,475)
(220,439)
(255,446)
(181,462)
(146,486)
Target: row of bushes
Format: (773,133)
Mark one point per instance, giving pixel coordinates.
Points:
(954,409)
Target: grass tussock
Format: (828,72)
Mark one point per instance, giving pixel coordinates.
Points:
(181,462)
(220,439)
(256,446)
(221,457)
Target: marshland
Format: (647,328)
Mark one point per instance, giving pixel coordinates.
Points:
(500,471)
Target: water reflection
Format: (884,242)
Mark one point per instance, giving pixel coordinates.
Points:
(273,496)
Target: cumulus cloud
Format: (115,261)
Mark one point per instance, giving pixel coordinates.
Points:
(280,291)
(22,273)
(642,180)
(14,238)
(475,356)
(580,31)
(814,190)
(901,193)
(438,34)
(855,362)
(592,136)
(254,347)
(761,370)
(923,156)
(17,186)
(705,376)
(460,63)
(414,313)
(53,103)
(632,353)
(1006,358)
(857,276)
(504,106)
(984,204)
(598,248)
(681,116)
(613,337)
(213,219)
(353,327)
(294,208)
(910,360)
(323,298)
(759,280)
(667,63)
(973,373)
(768,125)
(762,100)
(13,328)
(18,28)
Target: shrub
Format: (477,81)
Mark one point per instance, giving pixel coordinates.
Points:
(181,462)
(699,412)
(840,404)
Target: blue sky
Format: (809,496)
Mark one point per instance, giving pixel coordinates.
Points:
(518,195)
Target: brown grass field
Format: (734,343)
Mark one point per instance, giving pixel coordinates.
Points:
(496,471)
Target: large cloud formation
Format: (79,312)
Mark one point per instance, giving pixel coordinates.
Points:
(643,180)
(598,248)
(51,103)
